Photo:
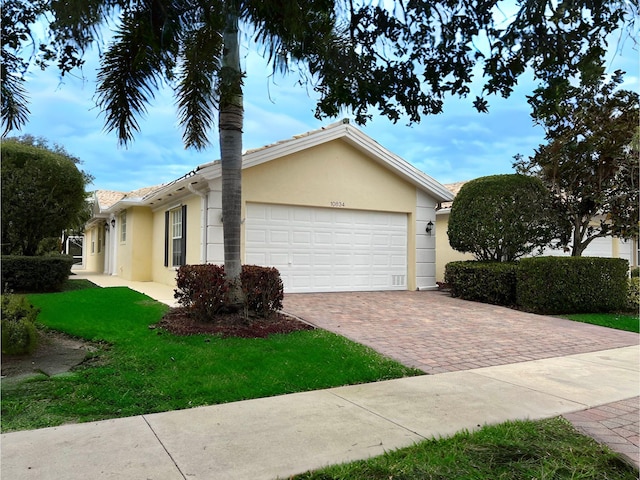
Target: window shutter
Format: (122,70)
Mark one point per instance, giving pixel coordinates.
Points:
(183,249)
(166,239)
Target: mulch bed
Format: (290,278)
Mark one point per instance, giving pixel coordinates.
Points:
(176,321)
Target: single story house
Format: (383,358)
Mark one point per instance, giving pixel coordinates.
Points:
(609,247)
(331,209)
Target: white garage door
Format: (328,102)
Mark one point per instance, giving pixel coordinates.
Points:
(328,249)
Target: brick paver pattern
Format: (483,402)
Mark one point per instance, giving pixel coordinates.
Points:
(437,333)
(616,424)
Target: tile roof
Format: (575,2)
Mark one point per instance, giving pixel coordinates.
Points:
(453,188)
(107,198)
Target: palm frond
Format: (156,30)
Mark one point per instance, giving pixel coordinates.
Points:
(290,31)
(196,92)
(15,110)
(133,68)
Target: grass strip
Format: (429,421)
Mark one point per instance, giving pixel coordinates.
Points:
(139,370)
(526,450)
(619,321)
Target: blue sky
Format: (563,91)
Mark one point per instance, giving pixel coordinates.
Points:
(459,144)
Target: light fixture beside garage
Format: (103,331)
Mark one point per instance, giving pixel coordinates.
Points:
(429,228)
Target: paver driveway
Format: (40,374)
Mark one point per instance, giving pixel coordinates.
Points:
(437,333)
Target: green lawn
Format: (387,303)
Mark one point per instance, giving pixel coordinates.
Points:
(619,321)
(140,370)
(542,450)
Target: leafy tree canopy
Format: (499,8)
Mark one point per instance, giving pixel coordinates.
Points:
(43,193)
(591,159)
(502,218)
(401,60)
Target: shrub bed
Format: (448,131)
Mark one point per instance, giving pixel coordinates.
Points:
(19,335)
(263,289)
(487,282)
(554,285)
(35,274)
(202,290)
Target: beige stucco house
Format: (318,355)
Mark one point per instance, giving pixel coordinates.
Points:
(331,209)
(609,247)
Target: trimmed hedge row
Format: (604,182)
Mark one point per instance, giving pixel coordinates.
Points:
(203,291)
(549,285)
(35,274)
(486,282)
(572,284)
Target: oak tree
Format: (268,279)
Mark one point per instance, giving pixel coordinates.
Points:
(591,159)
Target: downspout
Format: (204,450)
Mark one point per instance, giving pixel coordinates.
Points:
(203,225)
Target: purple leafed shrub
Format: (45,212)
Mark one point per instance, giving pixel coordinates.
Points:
(203,292)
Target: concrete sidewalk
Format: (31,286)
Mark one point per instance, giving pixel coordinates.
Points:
(158,291)
(281,436)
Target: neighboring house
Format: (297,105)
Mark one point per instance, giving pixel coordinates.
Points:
(610,247)
(331,209)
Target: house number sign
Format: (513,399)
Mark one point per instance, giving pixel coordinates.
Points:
(337,204)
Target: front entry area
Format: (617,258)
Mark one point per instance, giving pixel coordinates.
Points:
(328,249)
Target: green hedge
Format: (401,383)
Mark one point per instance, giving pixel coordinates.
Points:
(487,282)
(35,274)
(555,285)
(633,297)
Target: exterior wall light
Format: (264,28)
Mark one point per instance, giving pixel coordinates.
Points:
(113,222)
(429,228)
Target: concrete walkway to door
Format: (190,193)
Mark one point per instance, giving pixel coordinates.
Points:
(437,333)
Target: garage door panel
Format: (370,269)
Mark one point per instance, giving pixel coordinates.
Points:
(343,260)
(257,259)
(321,260)
(322,216)
(397,260)
(381,261)
(322,239)
(342,239)
(363,240)
(257,236)
(323,250)
(279,237)
(398,240)
(279,258)
(301,238)
(301,259)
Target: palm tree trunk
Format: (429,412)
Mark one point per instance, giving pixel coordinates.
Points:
(230,129)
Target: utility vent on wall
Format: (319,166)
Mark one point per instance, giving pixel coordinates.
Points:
(397,280)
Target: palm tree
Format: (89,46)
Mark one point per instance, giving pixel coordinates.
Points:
(196,45)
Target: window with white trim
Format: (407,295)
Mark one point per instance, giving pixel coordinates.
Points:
(176,238)
(123,227)
(175,244)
